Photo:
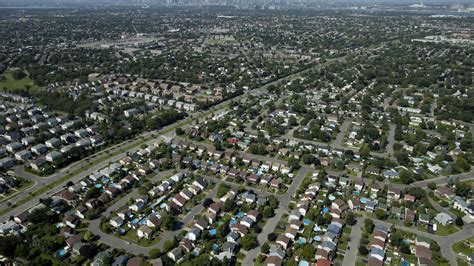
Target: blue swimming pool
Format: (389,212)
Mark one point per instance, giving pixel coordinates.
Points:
(213,232)
(317,238)
(325,210)
(61,252)
(302,240)
(303,263)
(306,221)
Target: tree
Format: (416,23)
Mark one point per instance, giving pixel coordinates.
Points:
(308,158)
(39,216)
(8,245)
(228,206)
(154,253)
(406,176)
(405,249)
(218,146)
(272,237)
(294,163)
(396,238)
(179,131)
(364,151)
(380,214)
(207,202)
(368,225)
(363,250)
(462,189)
(89,236)
(459,222)
(258,149)
(307,252)
(19,74)
(350,219)
(249,242)
(168,222)
(169,245)
(267,212)
(265,248)
(222,190)
(432,185)
(272,201)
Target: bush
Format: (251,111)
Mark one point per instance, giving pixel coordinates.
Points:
(207,202)
(363,251)
(432,185)
(350,219)
(405,249)
(265,248)
(154,253)
(368,225)
(19,74)
(272,237)
(179,131)
(459,221)
(249,242)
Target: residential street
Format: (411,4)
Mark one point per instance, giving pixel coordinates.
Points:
(272,222)
(353,246)
(342,132)
(445,242)
(80,165)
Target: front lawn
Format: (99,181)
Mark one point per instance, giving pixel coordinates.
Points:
(462,247)
(131,235)
(461,262)
(445,230)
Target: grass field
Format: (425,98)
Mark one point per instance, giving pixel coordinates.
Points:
(462,247)
(7,82)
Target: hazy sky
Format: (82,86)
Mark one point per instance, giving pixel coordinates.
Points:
(76,2)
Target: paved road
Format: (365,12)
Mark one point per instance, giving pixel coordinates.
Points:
(253,156)
(82,165)
(445,179)
(272,222)
(342,132)
(353,246)
(119,243)
(391,140)
(445,242)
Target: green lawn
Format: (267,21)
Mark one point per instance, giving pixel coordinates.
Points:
(461,262)
(7,82)
(457,212)
(132,236)
(446,230)
(462,247)
(442,230)
(25,184)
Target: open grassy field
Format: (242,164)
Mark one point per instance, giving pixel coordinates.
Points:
(8,82)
